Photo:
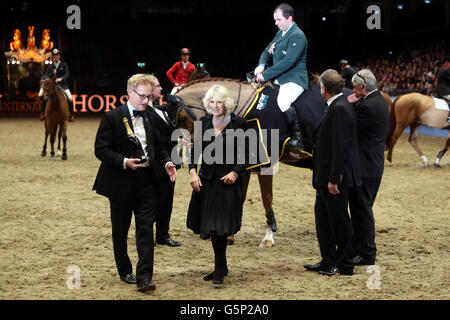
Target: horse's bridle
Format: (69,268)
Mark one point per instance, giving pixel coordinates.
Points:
(176,104)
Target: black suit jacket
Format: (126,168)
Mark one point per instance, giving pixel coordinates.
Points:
(335,150)
(443,82)
(217,169)
(112,146)
(165,131)
(372,114)
(61,72)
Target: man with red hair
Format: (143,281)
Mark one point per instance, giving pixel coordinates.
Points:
(182,70)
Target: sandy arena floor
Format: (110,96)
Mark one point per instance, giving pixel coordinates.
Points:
(50,219)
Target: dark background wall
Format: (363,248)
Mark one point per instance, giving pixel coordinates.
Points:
(228,35)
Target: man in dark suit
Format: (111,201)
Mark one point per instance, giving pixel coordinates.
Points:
(372,124)
(128,183)
(335,167)
(60,71)
(165,187)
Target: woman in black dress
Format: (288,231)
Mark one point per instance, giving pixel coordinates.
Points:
(216,204)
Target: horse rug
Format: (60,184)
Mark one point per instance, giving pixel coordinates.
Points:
(264,113)
(440,104)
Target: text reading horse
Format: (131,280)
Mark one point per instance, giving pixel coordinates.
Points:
(413,110)
(259,108)
(56,117)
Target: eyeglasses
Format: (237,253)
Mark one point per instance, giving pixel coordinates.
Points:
(142,96)
(364,80)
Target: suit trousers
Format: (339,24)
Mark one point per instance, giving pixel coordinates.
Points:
(361,200)
(333,227)
(142,203)
(164,192)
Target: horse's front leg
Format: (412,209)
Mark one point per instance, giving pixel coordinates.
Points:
(266,187)
(52,143)
(44,148)
(58,152)
(441,153)
(245,181)
(64,154)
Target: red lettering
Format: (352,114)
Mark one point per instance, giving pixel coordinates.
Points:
(123,99)
(82,103)
(102,103)
(110,102)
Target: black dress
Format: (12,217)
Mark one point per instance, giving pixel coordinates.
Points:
(217,208)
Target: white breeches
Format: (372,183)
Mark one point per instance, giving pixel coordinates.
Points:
(66,91)
(289,92)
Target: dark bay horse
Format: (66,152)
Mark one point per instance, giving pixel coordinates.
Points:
(56,117)
(413,110)
(250,106)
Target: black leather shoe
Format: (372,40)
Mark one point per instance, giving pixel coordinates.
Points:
(361,261)
(210,276)
(317,267)
(336,270)
(129,278)
(146,285)
(169,242)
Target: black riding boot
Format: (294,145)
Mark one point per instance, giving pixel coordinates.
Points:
(290,115)
(219,244)
(71,117)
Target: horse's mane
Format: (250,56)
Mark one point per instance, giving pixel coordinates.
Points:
(210,80)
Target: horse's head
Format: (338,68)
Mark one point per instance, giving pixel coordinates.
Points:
(47,84)
(199,73)
(180,116)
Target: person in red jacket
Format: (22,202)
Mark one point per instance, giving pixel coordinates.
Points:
(182,69)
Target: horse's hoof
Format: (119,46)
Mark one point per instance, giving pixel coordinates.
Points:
(436,165)
(43,154)
(266,243)
(64,156)
(230,240)
(58,153)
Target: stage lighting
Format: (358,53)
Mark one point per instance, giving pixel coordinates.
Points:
(400,6)
(427,1)
(324,18)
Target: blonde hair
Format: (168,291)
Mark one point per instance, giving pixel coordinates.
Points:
(221,93)
(153,80)
(138,79)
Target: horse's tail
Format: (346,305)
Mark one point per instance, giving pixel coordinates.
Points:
(392,124)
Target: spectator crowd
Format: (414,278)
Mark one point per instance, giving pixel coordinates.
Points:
(411,70)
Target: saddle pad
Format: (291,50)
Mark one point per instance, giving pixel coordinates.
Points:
(440,104)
